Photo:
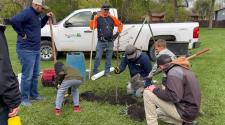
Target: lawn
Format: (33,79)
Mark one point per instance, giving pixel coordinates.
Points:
(209,68)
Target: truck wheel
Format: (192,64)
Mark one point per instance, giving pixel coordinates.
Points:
(152,54)
(46,51)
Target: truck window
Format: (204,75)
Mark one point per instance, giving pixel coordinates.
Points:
(81,19)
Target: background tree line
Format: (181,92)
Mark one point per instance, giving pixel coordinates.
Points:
(129,10)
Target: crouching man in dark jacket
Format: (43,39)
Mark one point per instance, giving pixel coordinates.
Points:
(139,65)
(179,102)
(10,97)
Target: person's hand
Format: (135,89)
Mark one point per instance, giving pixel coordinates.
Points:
(24,37)
(93,15)
(147,81)
(13,112)
(115,36)
(117,70)
(151,88)
(50,14)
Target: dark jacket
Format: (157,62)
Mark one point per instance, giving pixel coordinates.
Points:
(181,88)
(141,65)
(10,96)
(28,22)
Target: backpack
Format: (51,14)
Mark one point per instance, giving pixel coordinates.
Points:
(48,78)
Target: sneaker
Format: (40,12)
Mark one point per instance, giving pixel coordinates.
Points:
(57,112)
(76,109)
(39,98)
(26,103)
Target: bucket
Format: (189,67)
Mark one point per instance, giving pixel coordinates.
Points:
(14,121)
(76,60)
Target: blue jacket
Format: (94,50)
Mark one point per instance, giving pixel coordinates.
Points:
(141,65)
(28,22)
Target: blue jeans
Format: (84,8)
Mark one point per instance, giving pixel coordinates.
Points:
(66,84)
(101,46)
(30,62)
(4,116)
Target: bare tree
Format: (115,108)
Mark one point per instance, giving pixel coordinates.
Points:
(211,14)
(176,16)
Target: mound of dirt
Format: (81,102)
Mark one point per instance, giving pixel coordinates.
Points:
(109,98)
(135,108)
(136,112)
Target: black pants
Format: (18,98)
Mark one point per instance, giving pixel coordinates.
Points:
(4,116)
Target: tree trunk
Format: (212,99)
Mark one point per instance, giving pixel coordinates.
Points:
(211,14)
(175,11)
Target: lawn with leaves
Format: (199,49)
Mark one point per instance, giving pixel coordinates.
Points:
(209,68)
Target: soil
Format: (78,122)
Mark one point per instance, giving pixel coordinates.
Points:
(136,112)
(135,107)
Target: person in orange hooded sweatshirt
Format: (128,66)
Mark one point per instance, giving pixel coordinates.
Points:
(104,22)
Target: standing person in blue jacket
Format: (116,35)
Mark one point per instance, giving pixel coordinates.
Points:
(28,24)
(138,64)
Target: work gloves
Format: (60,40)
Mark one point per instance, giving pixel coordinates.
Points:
(93,15)
(147,81)
(115,36)
(117,70)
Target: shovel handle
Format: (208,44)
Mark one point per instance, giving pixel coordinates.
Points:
(198,53)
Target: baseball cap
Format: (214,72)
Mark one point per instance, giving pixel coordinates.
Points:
(105,6)
(163,59)
(41,3)
(130,51)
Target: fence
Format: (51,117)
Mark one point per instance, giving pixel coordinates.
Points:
(216,24)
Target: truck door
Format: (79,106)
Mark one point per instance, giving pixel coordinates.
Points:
(76,34)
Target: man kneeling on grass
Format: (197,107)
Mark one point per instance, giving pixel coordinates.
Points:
(179,102)
(67,77)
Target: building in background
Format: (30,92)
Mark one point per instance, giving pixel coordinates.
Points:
(220,14)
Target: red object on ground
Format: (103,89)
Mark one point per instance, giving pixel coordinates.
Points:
(48,78)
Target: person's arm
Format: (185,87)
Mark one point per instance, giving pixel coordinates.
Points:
(60,77)
(44,20)
(10,87)
(154,69)
(147,63)
(123,64)
(118,24)
(93,23)
(173,92)
(17,23)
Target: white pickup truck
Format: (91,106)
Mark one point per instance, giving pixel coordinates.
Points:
(73,34)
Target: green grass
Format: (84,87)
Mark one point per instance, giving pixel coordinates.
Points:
(209,68)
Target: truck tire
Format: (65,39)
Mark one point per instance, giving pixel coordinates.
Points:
(46,51)
(152,54)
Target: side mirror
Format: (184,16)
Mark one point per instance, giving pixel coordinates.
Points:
(67,24)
